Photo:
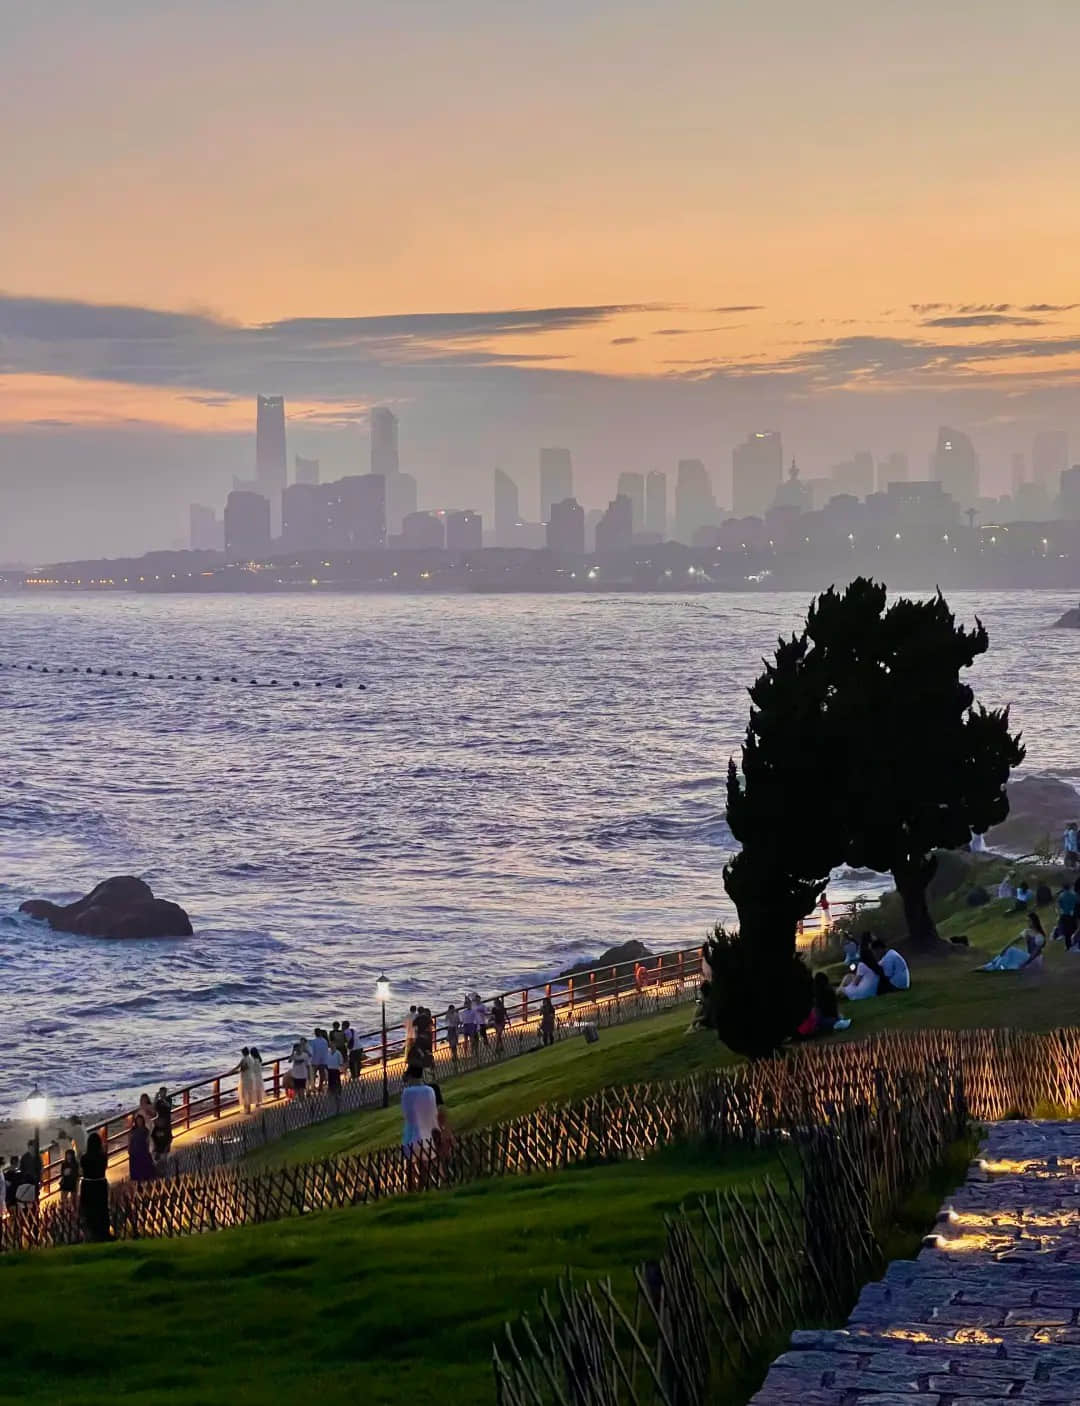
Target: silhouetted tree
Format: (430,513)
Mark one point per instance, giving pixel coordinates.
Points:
(921,765)
(863,747)
(780,809)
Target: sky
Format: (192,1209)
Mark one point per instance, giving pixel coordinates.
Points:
(635,229)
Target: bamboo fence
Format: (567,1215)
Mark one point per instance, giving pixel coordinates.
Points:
(997,1073)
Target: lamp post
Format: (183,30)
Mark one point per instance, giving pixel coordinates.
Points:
(382,994)
(37,1106)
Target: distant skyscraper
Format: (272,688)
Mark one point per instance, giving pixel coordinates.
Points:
(464,531)
(270,461)
(247,526)
(615,530)
(656,503)
(566,527)
(632,486)
(356,512)
(757,469)
(556,479)
(892,469)
(1049,459)
(855,476)
(1069,497)
(695,505)
(507,509)
(303,517)
(205,531)
(401,498)
(955,465)
(423,530)
(305,470)
(1019,473)
(384,442)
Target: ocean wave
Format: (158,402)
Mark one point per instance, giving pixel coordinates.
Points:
(709,829)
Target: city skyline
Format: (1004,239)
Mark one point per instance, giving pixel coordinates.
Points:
(852,285)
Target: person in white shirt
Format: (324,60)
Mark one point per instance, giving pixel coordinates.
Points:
(892,965)
(300,1068)
(419,1110)
(334,1063)
(320,1048)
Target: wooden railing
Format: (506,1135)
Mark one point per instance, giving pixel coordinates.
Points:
(995,1074)
(204,1104)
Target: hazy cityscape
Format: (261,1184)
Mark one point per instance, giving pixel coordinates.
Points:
(660,530)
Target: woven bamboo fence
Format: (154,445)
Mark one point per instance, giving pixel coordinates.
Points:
(999,1073)
(741,1269)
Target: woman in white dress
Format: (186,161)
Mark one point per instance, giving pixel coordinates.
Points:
(246,1091)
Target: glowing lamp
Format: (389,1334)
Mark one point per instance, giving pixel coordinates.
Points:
(37,1105)
(382,989)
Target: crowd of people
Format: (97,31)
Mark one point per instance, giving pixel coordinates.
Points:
(873,969)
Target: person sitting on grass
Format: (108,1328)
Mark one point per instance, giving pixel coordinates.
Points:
(866,979)
(1023,953)
(1024,896)
(893,966)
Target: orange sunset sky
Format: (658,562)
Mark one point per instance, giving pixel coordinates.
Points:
(637,229)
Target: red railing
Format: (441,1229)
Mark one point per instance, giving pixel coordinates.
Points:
(205,1102)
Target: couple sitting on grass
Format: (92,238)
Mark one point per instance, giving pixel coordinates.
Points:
(875,969)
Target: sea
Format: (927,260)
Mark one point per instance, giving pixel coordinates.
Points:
(522,781)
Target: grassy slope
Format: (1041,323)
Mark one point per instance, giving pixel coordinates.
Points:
(406,1297)
(384,1304)
(656,1047)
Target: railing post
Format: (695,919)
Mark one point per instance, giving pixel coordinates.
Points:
(570,989)
(680,970)
(187,1108)
(217,1098)
(592,987)
(434,1033)
(524,1004)
(277,1078)
(614,983)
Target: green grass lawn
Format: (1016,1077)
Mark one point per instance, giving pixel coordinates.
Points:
(945,994)
(406,1296)
(381,1304)
(655,1047)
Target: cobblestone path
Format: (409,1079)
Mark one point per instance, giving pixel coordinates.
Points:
(987,1314)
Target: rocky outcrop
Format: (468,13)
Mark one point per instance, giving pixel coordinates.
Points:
(1038,806)
(1070,620)
(123,907)
(625,952)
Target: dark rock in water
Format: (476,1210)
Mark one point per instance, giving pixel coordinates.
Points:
(625,952)
(122,907)
(1070,620)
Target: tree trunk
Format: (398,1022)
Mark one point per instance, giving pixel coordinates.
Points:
(911,878)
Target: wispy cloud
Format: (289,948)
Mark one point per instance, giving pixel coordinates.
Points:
(983,319)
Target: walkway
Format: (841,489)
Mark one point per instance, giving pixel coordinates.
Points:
(988,1312)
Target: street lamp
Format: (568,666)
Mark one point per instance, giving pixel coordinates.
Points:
(382,995)
(37,1105)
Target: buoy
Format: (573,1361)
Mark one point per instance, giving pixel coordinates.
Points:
(150,676)
(251,681)
(198,678)
(233,679)
(216,679)
(318,683)
(295,684)
(170,676)
(339,685)
(134,674)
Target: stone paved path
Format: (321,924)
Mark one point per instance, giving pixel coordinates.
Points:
(989,1313)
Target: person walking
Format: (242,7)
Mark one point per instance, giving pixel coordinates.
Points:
(161,1135)
(29,1176)
(500,1020)
(69,1178)
(334,1065)
(354,1054)
(320,1048)
(77,1133)
(258,1083)
(1067,904)
(469,1028)
(1071,845)
(547,1021)
(140,1162)
(480,1014)
(12,1176)
(94,1192)
(452,1021)
(419,1109)
(300,1068)
(246,1091)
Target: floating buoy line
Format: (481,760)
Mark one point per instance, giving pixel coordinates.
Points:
(78,671)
